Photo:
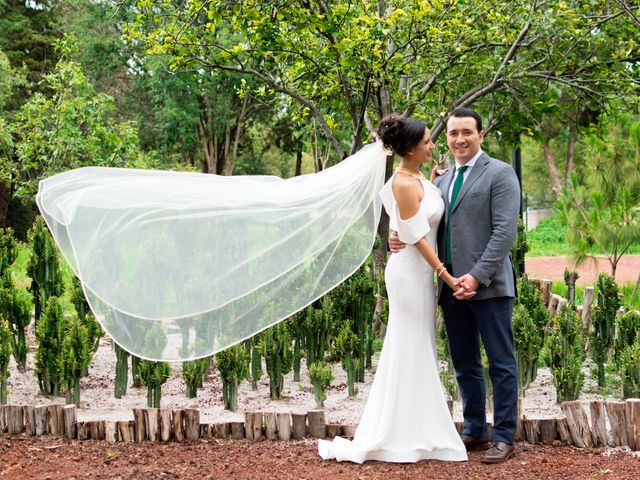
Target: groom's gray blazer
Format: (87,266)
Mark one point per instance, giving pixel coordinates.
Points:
(484,224)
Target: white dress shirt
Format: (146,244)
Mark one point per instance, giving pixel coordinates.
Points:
(466,173)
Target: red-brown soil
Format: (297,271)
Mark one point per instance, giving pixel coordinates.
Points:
(552,268)
(49,458)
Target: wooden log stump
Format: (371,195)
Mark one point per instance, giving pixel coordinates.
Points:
(253,425)
(152,424)
(299,424)
(532,430)
(29,418)
(548,431)
(69,415)
(206,431)
(578,423)
(284,426)
(587,303)
(333,430)
(192,424)
(458,426)
(237,431)
(615,412)
(545,291)
(632,419)
(554,304)
(111,431)
(81,431)
(177,423)
(96,429)
(55,420)
(14,419)
(563,431)
(450,406)
(349,431)
(317,424)
(125,430)
(40,414)
(271,425)
(221,430)
(598,423)
(140,427)
(165,424)
(3,419)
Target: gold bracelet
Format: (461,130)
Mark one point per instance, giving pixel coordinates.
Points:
(439,272)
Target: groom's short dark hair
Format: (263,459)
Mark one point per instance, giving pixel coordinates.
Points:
(465,112)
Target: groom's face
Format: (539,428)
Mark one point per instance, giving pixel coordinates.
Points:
(463,138)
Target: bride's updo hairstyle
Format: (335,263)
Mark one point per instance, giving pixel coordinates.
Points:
(400,133)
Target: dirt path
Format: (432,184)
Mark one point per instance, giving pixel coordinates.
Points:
(552,268)
(37,458)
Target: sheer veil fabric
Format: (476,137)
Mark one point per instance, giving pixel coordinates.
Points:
(178,266)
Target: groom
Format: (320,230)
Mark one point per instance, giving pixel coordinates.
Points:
(482,202)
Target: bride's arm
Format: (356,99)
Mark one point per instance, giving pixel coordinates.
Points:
(407,197)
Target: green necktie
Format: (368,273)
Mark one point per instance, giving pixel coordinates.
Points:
(457,185)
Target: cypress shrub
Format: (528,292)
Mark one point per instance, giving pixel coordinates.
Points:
(86,317)
(153,374)
(628,328)
(296,329)
(630,369)
(233,364)
(75,357)
(346,345)
(122,371)
(50,332)
(603,320)
(566,353)
(318,328)
(15,307)
(5,357)
(193,372)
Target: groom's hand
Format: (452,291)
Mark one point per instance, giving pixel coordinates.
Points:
(395,244)
(467,286)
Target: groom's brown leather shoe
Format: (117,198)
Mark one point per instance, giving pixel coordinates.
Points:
(499,452)
(473,443)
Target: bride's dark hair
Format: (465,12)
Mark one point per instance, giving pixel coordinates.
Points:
(400,133)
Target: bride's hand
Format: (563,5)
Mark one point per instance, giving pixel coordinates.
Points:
(437,172)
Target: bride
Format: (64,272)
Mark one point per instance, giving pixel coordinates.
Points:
(406,418)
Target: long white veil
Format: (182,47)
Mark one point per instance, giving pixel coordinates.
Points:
(178,266)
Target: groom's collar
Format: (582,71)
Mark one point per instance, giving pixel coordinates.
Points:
(471,162)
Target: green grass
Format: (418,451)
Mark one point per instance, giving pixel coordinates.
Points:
(548,239)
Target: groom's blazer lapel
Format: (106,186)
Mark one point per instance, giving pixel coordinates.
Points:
(445,186)
(476,172)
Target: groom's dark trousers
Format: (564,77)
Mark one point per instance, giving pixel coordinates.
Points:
(491,318)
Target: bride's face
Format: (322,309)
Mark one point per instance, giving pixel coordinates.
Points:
(424,149)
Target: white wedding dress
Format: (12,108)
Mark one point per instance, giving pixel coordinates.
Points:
(406,418)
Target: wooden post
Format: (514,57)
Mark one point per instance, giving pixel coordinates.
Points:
(178,425)
(69,415)
(152,424)
(615,412)
(3,419)
(192,424)
(554,304)
(299,423)
(139,425)
(349,431)
(221,430)
(563,431)
(545,291)
(317,424)
(165,424)
(598,423)
(253,425)
(284,426)
(236,430)
(271,425)
(125,428)
(207,431)
(81,430)
(548,432)
(632,419)
(110,431)
(578,423)
(55,420)
(587,302)
(29,416)
(15,419)
(450,405)
(334,430)
(40,414)
(532,430)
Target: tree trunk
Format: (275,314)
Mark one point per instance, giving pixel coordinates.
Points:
(551,166)
(5,196)
(571,144)
(298,171)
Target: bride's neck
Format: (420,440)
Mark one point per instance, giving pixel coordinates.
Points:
(409,166)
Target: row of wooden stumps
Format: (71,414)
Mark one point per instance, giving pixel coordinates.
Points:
(152,424)
(164,424)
